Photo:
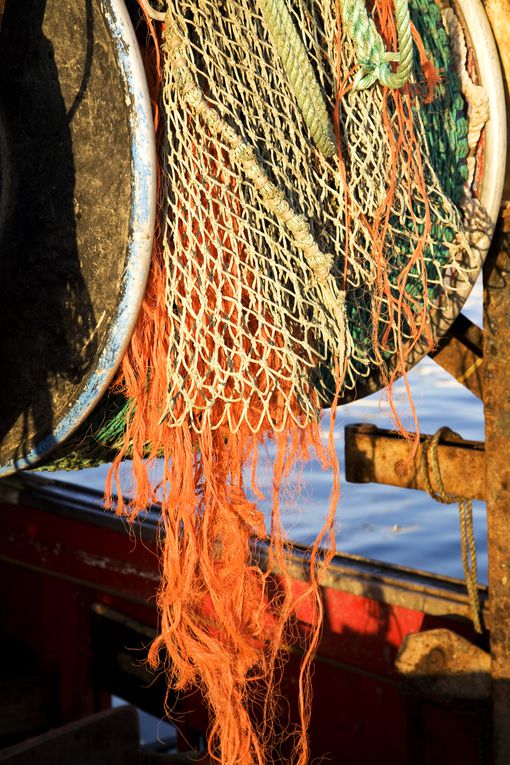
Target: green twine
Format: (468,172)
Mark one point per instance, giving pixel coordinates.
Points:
(373,58)
(444,120)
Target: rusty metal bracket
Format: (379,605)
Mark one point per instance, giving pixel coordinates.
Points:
(497,432)
(373,455)
(460,353)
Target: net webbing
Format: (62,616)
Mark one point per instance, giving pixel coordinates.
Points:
(341,207)
(309,226)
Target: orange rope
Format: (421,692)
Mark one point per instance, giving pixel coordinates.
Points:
(224,619)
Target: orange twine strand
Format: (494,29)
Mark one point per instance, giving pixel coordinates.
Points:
(224,617)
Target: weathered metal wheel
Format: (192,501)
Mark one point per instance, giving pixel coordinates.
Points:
(77,202)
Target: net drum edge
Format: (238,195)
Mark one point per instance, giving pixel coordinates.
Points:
(133,254)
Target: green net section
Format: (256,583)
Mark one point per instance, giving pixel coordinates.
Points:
(232,61)
(444,120)
(445,127)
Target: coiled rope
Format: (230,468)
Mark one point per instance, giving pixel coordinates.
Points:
(430,462)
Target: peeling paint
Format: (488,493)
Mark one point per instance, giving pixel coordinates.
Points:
(111,564)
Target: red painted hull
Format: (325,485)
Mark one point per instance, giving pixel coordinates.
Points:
(67,569)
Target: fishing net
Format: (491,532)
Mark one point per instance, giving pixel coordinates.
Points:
(293,230)
(449,112)
(314,160)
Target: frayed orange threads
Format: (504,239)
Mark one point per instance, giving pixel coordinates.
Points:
(431,74)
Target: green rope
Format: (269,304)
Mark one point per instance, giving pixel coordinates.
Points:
(373,58)
(444,119)
(307,91)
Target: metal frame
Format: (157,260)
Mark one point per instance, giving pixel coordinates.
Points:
(483,470)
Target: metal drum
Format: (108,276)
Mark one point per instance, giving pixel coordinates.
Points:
(77,206)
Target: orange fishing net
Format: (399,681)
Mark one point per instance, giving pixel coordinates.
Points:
(223,619)
(223,622)
(267,219)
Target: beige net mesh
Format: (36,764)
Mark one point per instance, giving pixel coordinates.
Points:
(256,212)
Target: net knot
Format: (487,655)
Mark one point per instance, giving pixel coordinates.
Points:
(375,69)
(373,58)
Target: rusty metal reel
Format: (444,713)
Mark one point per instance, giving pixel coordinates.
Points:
(77,206)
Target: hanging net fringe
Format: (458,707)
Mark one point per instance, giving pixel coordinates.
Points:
(314,160)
